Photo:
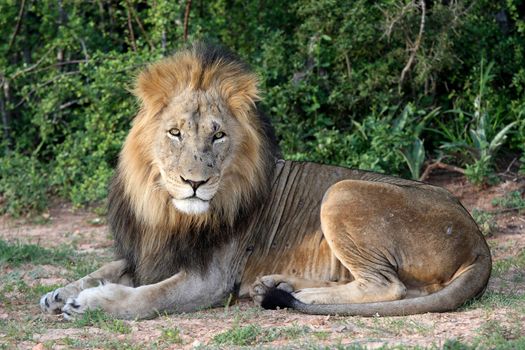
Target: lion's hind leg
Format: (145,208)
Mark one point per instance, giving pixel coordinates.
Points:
(347,222)
(358,291)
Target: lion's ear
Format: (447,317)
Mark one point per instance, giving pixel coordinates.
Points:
(152,87)
(241,93)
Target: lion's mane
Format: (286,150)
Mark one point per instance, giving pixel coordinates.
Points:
(155,238)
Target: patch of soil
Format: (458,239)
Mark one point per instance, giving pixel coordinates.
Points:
(61,225)
(472,196)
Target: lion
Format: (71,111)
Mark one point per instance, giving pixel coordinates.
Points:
(204,210)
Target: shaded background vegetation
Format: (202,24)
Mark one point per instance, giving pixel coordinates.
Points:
(385,86)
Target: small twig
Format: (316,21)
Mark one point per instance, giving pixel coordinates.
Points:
(187,19)
(348,66)
(417,43)
(34,66)
(84,48)
(440,165)
(17,26)
(510,166)
(130,27)
(68,104)
(65,63)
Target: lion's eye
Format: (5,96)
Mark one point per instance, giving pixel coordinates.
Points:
(174,132)
(218,135)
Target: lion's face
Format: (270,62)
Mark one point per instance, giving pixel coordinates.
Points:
(199,154)
(195,141)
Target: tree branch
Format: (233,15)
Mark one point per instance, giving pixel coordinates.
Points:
(130,28)
(439,165)
(68,104)
(83,45)
(163,41)
(417,43)
(17,26)
(187,19)
(4,100)
(62,20)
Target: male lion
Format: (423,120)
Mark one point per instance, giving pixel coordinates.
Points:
(202,208)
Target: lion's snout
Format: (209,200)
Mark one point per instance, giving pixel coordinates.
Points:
(195,184)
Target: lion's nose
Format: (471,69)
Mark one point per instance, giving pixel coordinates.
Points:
(194,184)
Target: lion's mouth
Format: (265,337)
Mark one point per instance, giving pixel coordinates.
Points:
(191,205)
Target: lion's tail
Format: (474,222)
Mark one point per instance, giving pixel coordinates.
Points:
(470,284)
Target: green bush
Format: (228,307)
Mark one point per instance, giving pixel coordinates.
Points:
(376,143)
(337,79)
(23,184)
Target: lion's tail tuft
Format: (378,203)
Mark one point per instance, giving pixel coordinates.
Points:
(278,298)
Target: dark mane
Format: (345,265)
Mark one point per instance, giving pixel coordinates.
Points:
(179,253)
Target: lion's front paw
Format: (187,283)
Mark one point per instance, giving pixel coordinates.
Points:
(73,308)
(53,302)
(88,299)
(263,284)
(115,299)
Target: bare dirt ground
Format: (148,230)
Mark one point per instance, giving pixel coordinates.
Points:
(497,320)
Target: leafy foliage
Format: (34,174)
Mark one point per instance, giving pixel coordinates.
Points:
(483,139)
(381,87)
